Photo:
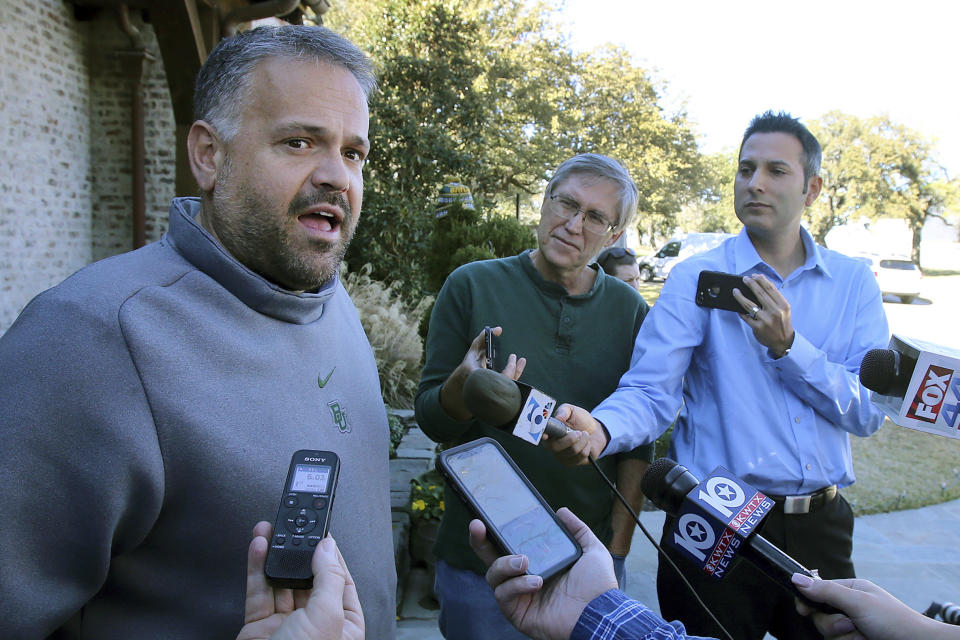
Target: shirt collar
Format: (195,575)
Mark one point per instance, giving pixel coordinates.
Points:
(747,260)
(552,288)
(195,244)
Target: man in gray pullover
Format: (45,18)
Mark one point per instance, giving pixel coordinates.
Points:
(150,403)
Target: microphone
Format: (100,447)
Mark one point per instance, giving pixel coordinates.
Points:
(717,520)
(507,404)
(916,384)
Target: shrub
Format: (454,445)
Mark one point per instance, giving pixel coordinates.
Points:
(391,327)
(464,235)
(397,431)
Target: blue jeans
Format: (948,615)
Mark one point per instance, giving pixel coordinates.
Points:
(620,570)
(468,610)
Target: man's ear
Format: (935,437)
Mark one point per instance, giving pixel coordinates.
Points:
(612,239)
(205,151)
(813,190)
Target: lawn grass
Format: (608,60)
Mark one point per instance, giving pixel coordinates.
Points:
(896,468)
(900,468)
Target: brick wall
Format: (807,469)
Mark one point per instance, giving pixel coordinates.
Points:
(65,173)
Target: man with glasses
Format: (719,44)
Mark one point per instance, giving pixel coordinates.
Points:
(568,328)
(770,393)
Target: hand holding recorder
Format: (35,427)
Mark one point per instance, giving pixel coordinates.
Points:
(331,611)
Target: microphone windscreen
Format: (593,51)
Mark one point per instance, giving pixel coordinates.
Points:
(492,397)
(878,370)
(666,483)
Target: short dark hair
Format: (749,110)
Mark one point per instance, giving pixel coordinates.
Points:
(223,80)
(783,122)
(612,257)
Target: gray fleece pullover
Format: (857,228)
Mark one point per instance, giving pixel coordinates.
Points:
(149,406)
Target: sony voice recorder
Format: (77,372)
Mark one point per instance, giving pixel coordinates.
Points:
(303,519)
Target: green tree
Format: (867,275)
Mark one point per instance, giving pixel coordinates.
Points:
(489,92)
(916,187)
(714,210)
(875,168)
(852,183)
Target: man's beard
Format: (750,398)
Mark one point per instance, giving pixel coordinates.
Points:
(250,230)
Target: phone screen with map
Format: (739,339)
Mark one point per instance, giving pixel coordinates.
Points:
(517,517)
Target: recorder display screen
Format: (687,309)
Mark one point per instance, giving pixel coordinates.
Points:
(310,478)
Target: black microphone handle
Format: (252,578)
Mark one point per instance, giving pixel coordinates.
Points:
(779,567)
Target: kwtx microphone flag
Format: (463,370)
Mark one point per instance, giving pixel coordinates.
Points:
(715,519)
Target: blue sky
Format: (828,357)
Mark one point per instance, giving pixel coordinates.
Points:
(728,61)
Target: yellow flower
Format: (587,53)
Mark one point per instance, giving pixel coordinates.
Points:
(432,487)
(419,505)
(441,505)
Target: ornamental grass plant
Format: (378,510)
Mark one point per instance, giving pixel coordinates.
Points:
(390,323)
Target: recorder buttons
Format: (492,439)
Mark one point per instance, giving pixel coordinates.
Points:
(313,541)
(290,500)
(319,503)
(301,520)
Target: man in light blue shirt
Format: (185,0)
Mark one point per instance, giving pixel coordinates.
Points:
(771,393)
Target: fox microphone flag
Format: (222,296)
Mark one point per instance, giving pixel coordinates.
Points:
(916,384)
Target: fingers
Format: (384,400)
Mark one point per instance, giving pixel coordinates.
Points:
(846,594)
(579,529)
(501,568)
(483,547)
(507,577)
(259,603)
(515,367)
(329,572)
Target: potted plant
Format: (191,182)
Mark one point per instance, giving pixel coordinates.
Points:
(426,509)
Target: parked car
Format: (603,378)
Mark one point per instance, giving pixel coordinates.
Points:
(896,276)
(677,248)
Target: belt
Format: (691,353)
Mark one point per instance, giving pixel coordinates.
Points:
(805,504)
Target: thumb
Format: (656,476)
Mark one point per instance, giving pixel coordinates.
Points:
(845,594)
(563,412)
(328,576)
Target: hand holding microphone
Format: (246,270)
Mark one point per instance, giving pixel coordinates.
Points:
(530,415)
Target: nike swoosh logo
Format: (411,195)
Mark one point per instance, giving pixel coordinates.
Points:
(322,382)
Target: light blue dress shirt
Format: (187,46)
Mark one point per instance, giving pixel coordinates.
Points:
(782,425)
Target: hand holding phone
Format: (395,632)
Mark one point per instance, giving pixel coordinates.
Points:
(516,516)
(715,291)
(489,350)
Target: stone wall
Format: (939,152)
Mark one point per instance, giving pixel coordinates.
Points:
(65,132)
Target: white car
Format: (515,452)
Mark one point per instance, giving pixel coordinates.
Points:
(677,248)
(896,276)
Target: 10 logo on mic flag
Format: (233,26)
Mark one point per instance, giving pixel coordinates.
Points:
(716,518)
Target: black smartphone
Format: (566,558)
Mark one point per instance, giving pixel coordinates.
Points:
(489,350)
(517,517)
(303,519)
(715,290)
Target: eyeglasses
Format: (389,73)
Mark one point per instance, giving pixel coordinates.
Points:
(568,209)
